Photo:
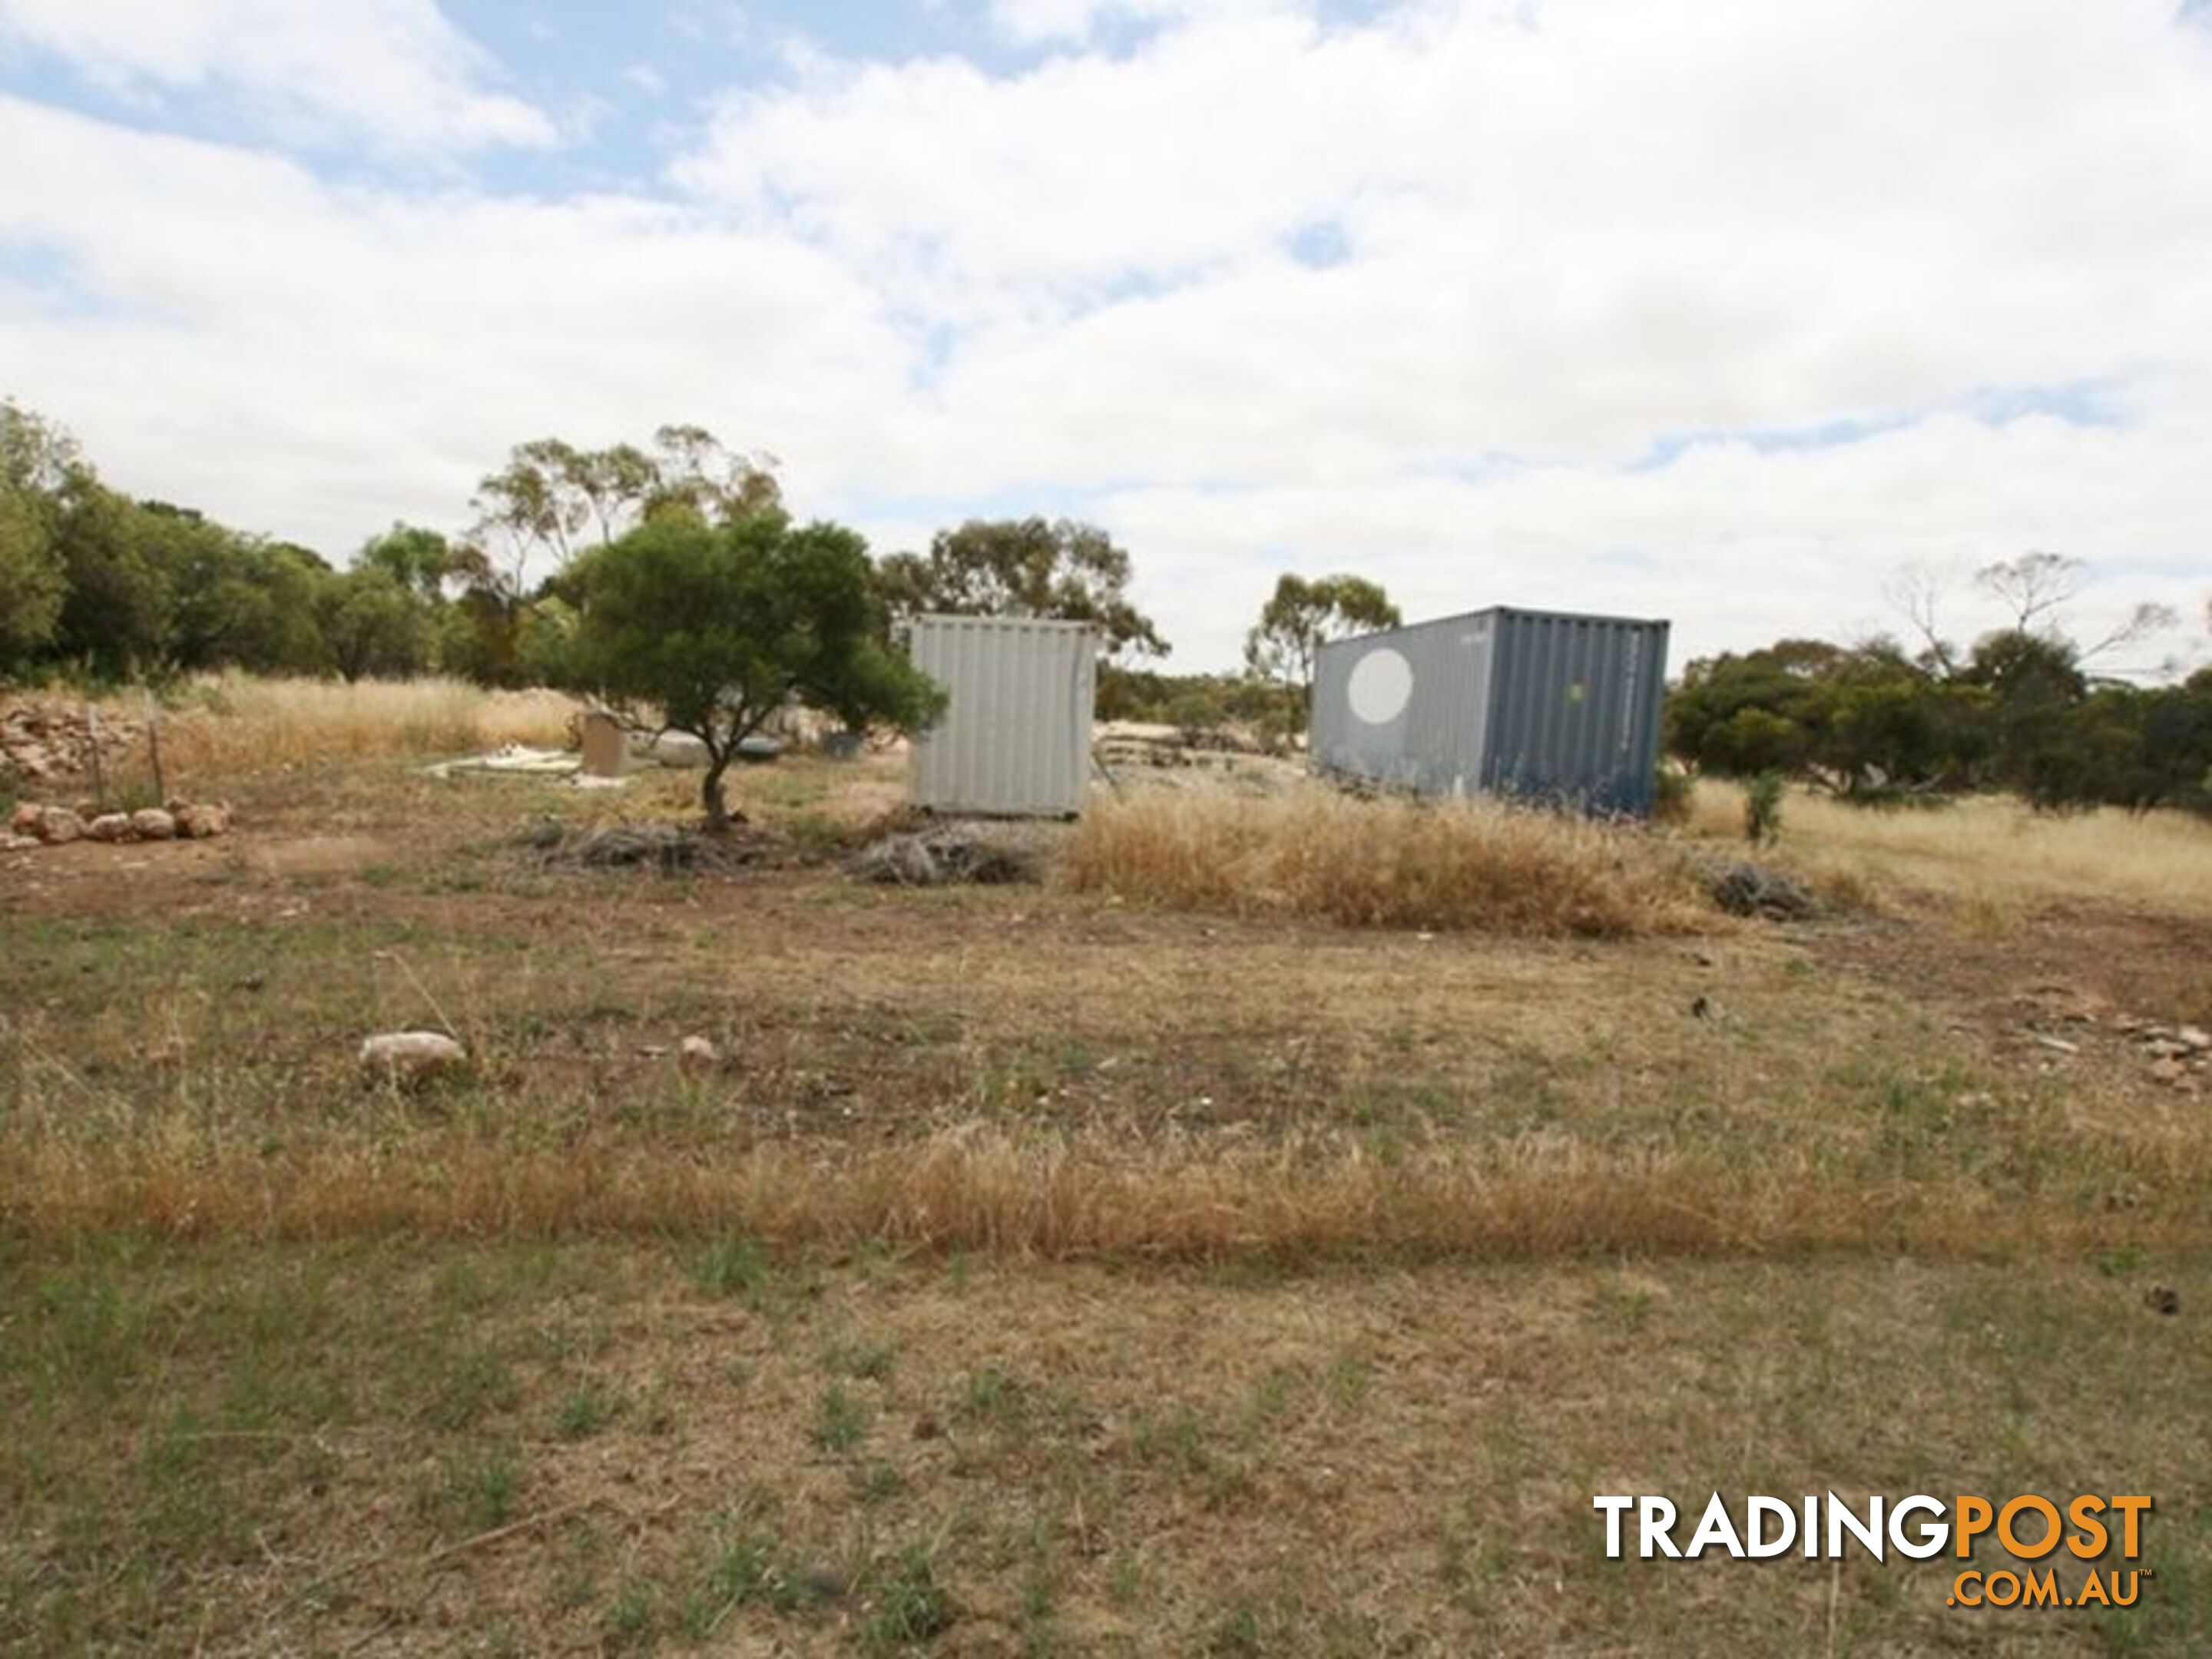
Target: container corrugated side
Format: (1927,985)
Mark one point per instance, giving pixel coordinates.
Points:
(1015,738)
(1576,703)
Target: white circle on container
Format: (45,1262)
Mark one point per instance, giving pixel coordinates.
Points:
(1382,683)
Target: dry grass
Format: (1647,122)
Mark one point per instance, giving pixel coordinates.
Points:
(1089,1277)
(222,726)
(624,1450)
(1990,852)
(1315,854)
(1071,1196)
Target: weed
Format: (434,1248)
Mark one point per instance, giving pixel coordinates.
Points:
(748,1569)
(1762,809)
(1125,1582)
(740,1267)
(907,1606)
(1037,1609)
(870,1361)
(1239,1633)
(632,1615)
(841,1421)
(474,1384)
(2119,1262)
(990,1395)
(480,1487)
(585,1410)
(878,1483)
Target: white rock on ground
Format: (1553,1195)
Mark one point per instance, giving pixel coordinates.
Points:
(152,823)
(696,1054)
(109,826)
(411,1056)
(25,819)
(57,824)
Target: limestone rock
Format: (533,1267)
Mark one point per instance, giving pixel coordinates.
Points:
(24,820)
(57,824)
(152,823)
(411,1057)
(698,1054)
(201,820)
(678,749)
(109,826)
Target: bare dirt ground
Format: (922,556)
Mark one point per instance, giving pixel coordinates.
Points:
(1044,1271)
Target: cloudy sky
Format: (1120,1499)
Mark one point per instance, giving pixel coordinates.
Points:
(1719,310)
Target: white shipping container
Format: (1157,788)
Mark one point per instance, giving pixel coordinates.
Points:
(1015,738)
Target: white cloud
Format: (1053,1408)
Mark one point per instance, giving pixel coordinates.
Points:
(394,72)
(311,361)
(1042,22)
(1563,239)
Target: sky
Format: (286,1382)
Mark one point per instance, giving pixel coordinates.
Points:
(1723,311)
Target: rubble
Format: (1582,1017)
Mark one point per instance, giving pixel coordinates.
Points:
(2180,1056)
(952,855)
(657,846)
(1746,890)
(45,741)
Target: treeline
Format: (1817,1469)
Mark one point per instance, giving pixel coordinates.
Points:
(98,585)
(2022,710)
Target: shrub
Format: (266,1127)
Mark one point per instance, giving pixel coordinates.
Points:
(1762,808)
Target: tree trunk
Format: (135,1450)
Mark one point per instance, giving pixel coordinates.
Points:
(710,790)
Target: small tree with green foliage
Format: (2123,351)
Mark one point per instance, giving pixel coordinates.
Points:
(718,627)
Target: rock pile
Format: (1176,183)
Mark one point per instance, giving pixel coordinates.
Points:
(33,825)
(2178,1054)
(45,741)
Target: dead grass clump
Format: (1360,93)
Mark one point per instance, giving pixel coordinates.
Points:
(1312,853)
(1046,1195)
(232,724)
